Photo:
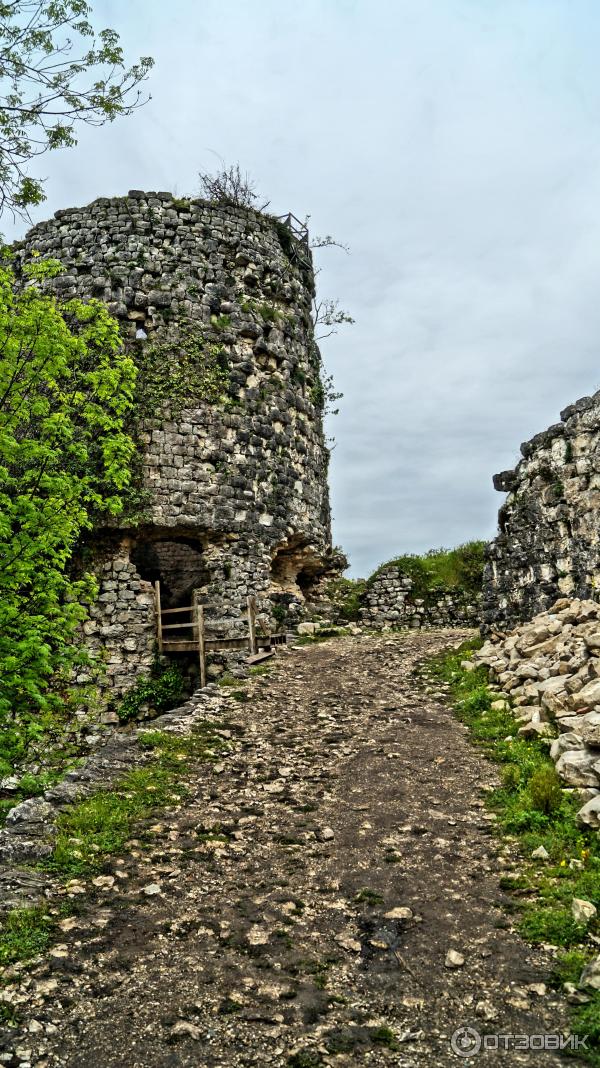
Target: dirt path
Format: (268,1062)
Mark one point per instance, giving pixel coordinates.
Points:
(350,793)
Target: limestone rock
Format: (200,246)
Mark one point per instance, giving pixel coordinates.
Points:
(589,814)
(33,811)
(348,943)
(575,767)
(541,853)
(593,640)
(590,975)
(565,742)
(400,913)
(554,685)
(589,728)
(535,729)
(10,783)
(454,959)
(589,696)
(185,1029)
(582,911)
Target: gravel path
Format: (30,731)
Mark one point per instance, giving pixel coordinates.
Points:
(277,929)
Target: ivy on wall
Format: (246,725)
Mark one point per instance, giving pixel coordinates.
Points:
(181,370)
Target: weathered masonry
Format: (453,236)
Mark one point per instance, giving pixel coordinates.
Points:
(548,545)
(214,303)
(390,601)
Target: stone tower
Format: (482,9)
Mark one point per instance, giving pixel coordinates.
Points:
(234,487)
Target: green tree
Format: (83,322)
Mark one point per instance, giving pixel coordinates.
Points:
(56,73)
(66,387)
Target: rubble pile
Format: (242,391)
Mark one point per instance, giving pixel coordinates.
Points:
(549,669)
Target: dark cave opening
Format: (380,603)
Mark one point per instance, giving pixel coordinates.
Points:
(177,563)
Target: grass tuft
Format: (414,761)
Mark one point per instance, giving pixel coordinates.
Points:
(101,824)
(24,933)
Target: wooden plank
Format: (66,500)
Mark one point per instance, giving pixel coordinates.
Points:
(187,609)
(252,625)
(178,626)
(180,647)
(201,643)
(257,658)
(238,642)
(158,616)
(216,644)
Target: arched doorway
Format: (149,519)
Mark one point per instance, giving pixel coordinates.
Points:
(176,562)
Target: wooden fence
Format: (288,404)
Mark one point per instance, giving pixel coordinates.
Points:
(196,639)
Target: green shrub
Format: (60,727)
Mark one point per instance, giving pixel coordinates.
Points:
(586,1021)
(305,1059)
(346,597)
(279,612)
(545,790)
(228,680)
(182,367)
(158,691)
(511,776)
(458,569)
(100,825)
(569,966)
(553,925)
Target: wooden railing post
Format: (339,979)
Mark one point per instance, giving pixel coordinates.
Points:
(199,624)
(158,616)
(252,624)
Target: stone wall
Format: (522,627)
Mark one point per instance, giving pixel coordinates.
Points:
(389,601)
(241,481)
(548,545)
(121,628)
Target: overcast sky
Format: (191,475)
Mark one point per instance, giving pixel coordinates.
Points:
(454,146)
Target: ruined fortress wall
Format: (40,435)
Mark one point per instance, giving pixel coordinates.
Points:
(236,498)
(390,601)
(548,545)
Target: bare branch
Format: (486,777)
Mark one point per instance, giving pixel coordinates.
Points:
(328,242)
(327,312)
(230,187)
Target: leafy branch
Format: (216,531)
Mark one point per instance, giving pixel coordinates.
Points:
(56,72)
(66,388)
